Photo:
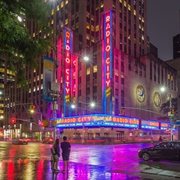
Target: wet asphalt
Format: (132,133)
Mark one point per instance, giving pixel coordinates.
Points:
(87,162)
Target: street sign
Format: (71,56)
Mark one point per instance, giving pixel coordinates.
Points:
(55,86)
(177,123)
(54,94)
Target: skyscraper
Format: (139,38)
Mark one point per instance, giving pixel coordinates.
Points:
(176,46)
(128,41)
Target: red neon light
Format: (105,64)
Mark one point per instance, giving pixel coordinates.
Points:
(154,124)
(107,49)
(125,120)
(92,118)
(67,66)
(164,125)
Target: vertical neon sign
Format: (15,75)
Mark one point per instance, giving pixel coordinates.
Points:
(107,58)
(74,78)
(68,38)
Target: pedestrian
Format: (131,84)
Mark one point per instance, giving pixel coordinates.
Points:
(52,157)
(160,139)
(55,150)
(66,148)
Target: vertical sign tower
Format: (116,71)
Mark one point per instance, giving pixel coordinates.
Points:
(68,41)
(107,58)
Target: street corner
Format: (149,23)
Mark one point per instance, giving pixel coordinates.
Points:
(160,172)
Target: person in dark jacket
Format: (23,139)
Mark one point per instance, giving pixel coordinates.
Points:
(66,148)
(56,155)
(160,139)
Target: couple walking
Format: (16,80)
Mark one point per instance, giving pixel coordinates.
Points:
(55,150)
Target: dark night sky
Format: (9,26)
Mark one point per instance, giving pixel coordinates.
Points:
(162,25)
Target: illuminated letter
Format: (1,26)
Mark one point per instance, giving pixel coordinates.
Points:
(67,71)
(108,26)
(67,84)
(108,48)
(107,33)
(107,75)
(67,34)
(67,60)
(67,47)
(108,61)
(67,90)
(107,18)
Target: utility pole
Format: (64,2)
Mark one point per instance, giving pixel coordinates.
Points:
(171,124)
(55,87)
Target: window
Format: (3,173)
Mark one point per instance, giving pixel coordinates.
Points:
(151,70)
(154,71)
(122,80)
(161,146)
(94,89)
(95,69)
(116,92)
(116,79)
(88,71)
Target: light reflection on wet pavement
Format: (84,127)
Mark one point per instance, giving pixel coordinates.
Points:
(87,162)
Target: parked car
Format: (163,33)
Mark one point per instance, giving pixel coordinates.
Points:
(31,140)
(48,141)
(20,141)
(163,151)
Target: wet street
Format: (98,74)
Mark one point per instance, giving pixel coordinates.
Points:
(87,162)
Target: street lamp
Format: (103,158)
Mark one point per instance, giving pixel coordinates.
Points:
(92,104)
(73,106)
(86,58)
(163,89)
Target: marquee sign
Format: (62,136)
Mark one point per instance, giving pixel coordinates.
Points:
(98,120)
(107,58)
(150,124)
(68,39)
(165,126)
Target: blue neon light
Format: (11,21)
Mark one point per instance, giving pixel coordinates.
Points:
(97,124)
(104,99)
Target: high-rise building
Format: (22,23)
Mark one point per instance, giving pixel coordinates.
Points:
(128,41)
(6,76)
(176,46)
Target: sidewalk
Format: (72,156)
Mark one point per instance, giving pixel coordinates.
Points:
(156,171)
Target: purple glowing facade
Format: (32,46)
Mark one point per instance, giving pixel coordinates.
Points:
(101,120)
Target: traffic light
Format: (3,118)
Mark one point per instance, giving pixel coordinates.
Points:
(122,112)
(32,108)
(13,120)
(45,123)
(172,112)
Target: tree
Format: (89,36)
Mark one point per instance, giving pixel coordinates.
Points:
(165,107)
(17,44)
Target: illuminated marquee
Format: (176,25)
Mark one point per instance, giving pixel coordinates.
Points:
(165,126)
(98,121)
(107,50)
(101,120)
(150,124)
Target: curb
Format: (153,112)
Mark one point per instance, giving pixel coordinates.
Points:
(161,172)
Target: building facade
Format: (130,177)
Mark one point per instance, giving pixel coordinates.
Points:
(122,78)
(176,46)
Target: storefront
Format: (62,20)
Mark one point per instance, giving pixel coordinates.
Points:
(112,128)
